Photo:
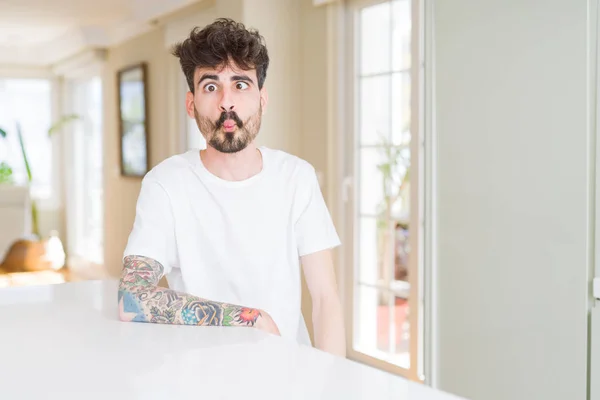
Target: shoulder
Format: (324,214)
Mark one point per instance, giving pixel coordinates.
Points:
(290,165)
(169,169)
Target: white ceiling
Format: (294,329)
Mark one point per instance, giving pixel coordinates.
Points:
(42,32)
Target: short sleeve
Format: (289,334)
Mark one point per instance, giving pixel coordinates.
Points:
(153,233)
(314,228)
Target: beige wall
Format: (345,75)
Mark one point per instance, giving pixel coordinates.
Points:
(312,61)
(280,26)
(121,193)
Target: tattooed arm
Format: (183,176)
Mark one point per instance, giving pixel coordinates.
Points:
(142,300)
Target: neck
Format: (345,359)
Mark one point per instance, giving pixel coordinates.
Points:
(235,166)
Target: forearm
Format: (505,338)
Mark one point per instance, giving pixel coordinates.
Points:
(166,306)
(329,326)
(141,300)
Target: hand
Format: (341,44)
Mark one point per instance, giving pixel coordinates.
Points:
(265,323)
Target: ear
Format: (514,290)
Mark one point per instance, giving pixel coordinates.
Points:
(264,99)
(189,104)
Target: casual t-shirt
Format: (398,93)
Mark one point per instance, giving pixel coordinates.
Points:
(237,242)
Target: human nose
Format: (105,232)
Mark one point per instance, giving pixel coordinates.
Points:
(227,103)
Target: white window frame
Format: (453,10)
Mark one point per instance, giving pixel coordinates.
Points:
(417,264)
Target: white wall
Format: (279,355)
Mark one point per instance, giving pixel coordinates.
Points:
(513,191)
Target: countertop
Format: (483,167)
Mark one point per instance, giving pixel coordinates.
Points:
(65,341)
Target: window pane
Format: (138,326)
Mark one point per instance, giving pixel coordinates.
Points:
(96,175)
(372,263)
(375,109)
(384,182)
(401,252)
(28,103)
(381,245)
(92,230)
(375,37)
(401,34)
(382,328)
(85,160)
(366,328)
(401,93)
(400,347)
(372,184)
(384,195)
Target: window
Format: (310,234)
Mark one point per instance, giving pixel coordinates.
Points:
(27,102)
(195,139)
(191,137)
(85,194)
(384,157)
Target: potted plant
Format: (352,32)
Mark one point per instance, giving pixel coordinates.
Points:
(32,254)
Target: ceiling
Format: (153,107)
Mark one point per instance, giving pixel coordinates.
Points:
(42,32)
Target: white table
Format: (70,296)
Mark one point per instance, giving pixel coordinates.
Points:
(65,341)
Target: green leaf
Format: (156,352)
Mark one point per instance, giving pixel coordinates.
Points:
(5,173)
(61,123)
(25,159)
(35,228)
(2,133)
(227,320)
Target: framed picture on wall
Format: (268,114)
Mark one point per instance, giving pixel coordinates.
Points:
(133,120)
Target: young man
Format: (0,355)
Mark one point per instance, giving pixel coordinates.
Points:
(230,225)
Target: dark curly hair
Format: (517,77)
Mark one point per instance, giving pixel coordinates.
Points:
(218,45)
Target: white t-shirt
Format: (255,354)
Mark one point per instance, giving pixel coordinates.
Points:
(235,242)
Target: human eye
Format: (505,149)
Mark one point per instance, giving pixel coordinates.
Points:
(242,85)
(211,87)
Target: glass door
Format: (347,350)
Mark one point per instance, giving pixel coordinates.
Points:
(385,207)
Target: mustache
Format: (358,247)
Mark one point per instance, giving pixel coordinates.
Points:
(225,115)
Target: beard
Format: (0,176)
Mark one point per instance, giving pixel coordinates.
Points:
(229,142)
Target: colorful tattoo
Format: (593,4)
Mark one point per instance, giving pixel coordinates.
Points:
(248,316)
(141,300)
(130,308)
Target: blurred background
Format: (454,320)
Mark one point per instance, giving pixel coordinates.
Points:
(455,143)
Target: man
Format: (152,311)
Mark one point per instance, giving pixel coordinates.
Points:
(230,225)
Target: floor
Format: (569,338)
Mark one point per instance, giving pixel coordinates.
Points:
(31,278)
(49,277)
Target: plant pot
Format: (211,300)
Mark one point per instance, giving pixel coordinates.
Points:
(26,256)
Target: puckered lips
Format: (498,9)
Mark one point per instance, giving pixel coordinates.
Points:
(229,125)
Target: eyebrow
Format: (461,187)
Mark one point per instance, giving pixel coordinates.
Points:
(245,78)
(208,76)
(242,78)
